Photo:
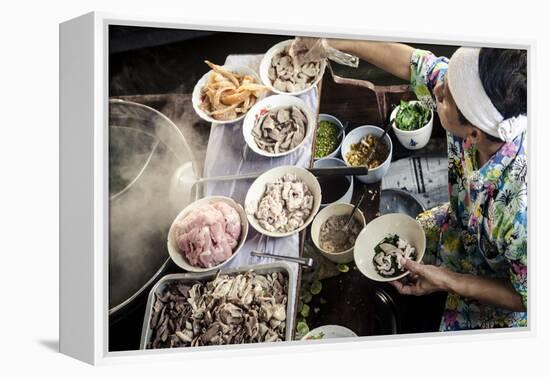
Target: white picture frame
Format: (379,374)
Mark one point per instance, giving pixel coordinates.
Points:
(84,191)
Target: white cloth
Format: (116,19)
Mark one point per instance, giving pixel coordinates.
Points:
(472,100)
(228,154)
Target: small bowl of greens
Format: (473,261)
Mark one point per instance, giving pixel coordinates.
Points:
(413,124)
(329,332)
(329,137)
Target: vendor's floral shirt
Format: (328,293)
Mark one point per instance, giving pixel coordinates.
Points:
(483,230)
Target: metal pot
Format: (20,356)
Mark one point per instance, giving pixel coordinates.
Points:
(145,151)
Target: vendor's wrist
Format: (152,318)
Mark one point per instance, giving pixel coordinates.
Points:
(452,282)
(338,44)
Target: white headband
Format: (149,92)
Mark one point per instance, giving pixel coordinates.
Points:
(470,97)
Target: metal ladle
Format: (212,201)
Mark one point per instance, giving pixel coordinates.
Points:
(371,153)
(341,234)
(187,182)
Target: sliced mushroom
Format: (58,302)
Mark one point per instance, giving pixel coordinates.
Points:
(283,115)
(284,68)
(391,258)
(227,310)
(280,130)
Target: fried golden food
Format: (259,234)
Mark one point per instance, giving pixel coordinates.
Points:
(228,95)
(359,152)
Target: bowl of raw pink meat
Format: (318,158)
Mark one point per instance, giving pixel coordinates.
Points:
(207,234)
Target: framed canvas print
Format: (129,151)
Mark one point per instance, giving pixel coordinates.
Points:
(229,188)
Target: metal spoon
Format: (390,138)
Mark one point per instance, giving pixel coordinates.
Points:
(341,234)
(342,130)
(306,262)
(371,153)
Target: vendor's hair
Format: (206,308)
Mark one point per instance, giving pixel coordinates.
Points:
(503,74)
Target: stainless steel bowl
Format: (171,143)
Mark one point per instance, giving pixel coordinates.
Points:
(399,201)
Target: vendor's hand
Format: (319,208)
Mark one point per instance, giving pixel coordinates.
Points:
(423,279)
(306,49)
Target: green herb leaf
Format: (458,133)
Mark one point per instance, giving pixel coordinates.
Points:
(412,115)
(306,297)
(302,328)
(305,311)
(343,267)
(321,335)
(391,239)
(316,287)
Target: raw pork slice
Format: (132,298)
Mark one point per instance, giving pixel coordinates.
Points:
(209,234)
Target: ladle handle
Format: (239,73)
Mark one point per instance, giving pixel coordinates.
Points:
(231,177)
(355,207)
(378,140)
(318,172)
(339,171)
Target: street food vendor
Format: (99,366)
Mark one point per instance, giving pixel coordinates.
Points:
(476,247)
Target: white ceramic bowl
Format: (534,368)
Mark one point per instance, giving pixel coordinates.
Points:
(336,209)
(394,223)
(355,137)
(257,189)
(336,121)
(173,249)
(330,332)
(196,98)
(271,103)
(327,162)
(413,139)
(266,63)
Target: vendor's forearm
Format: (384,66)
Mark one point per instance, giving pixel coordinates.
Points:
(394,58)
(496,292)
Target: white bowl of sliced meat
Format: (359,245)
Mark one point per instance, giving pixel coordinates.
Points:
(385,243)
(279,72)
(278,125)
(283,201)
(207,234)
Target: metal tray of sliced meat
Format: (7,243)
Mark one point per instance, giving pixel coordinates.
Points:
(249,304)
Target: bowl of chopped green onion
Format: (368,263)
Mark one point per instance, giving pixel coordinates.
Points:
(328,138)
(413,124)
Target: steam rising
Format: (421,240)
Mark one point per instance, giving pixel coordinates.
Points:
(145,151)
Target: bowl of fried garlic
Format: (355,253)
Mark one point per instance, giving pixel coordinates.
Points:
(226,93)
(356,149)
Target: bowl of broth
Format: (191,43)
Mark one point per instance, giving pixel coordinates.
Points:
(336,189)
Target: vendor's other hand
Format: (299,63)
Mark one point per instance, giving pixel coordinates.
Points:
(423,279)
(306,49)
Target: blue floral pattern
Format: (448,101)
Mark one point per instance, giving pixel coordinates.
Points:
(483,229)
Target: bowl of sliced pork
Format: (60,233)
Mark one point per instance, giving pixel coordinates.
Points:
(207,234)
(283,75)
(283,201)
(278,125)
(384,245)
